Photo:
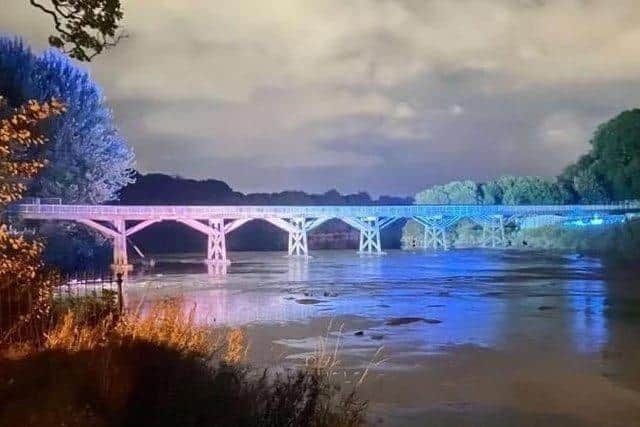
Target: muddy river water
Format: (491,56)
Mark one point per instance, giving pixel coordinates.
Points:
(470,337)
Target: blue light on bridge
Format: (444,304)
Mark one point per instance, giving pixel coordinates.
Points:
(595,221)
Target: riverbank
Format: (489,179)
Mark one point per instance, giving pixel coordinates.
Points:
(610,240)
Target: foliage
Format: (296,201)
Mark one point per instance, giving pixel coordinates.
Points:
(588,188)
(74,248)
(610,171)
(513,190)
(25,283)
(530,190)
(491,193)
(88,160)
(455,192)
(14,56)
(614,160)
(84,28)
(18,136)
(159,368)
(620,240)
(89,309)
(509,190)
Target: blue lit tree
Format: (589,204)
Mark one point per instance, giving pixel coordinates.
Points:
(611,170)
(530,190)
(455,192)
(16,61)
(89,162)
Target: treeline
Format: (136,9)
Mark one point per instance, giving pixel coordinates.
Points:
(609,172)
(508,190)
(156,188)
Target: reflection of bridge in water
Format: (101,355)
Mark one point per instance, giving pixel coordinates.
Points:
(215,222)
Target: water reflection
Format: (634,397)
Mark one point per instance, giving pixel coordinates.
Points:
(586,299)
(482,297)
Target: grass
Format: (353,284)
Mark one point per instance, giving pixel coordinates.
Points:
(160,368)
(88,309)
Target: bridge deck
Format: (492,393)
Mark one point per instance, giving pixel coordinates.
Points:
(145,212)
(216,221)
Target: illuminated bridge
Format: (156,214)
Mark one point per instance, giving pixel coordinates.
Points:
(215,222)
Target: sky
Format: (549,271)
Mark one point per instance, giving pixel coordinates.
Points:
(382,96)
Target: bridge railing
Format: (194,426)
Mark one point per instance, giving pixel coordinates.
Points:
(41,201)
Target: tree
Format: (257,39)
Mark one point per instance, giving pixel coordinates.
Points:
(455,192)
(491,193)
(435,195)
(88,161)
(23,278)
(588,188)
(614,159)
(15,61)
(530,190)
(462,192)
(84,28)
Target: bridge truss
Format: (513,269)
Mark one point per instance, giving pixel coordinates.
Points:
(119,222)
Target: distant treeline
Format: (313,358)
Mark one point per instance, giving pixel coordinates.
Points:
(156,188)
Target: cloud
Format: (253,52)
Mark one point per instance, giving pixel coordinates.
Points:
(470,88)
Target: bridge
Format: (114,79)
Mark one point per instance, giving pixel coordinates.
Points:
(119,222)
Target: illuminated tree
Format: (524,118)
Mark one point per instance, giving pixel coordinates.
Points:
(84,28)
(491,193)
(614,160)
(455,192)
(588,188)
(530,190)
(88,160)
(24,282)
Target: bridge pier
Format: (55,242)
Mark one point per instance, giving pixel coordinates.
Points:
(120,259)
(298,245)
(435,232)
(216,243)
(369,228)
(493,235)
(216,231)
(370,237)
(119,233)
(435,237)
(298,229)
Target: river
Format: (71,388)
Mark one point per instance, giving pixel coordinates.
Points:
(467,337)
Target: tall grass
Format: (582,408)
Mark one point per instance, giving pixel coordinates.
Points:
(160,368)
